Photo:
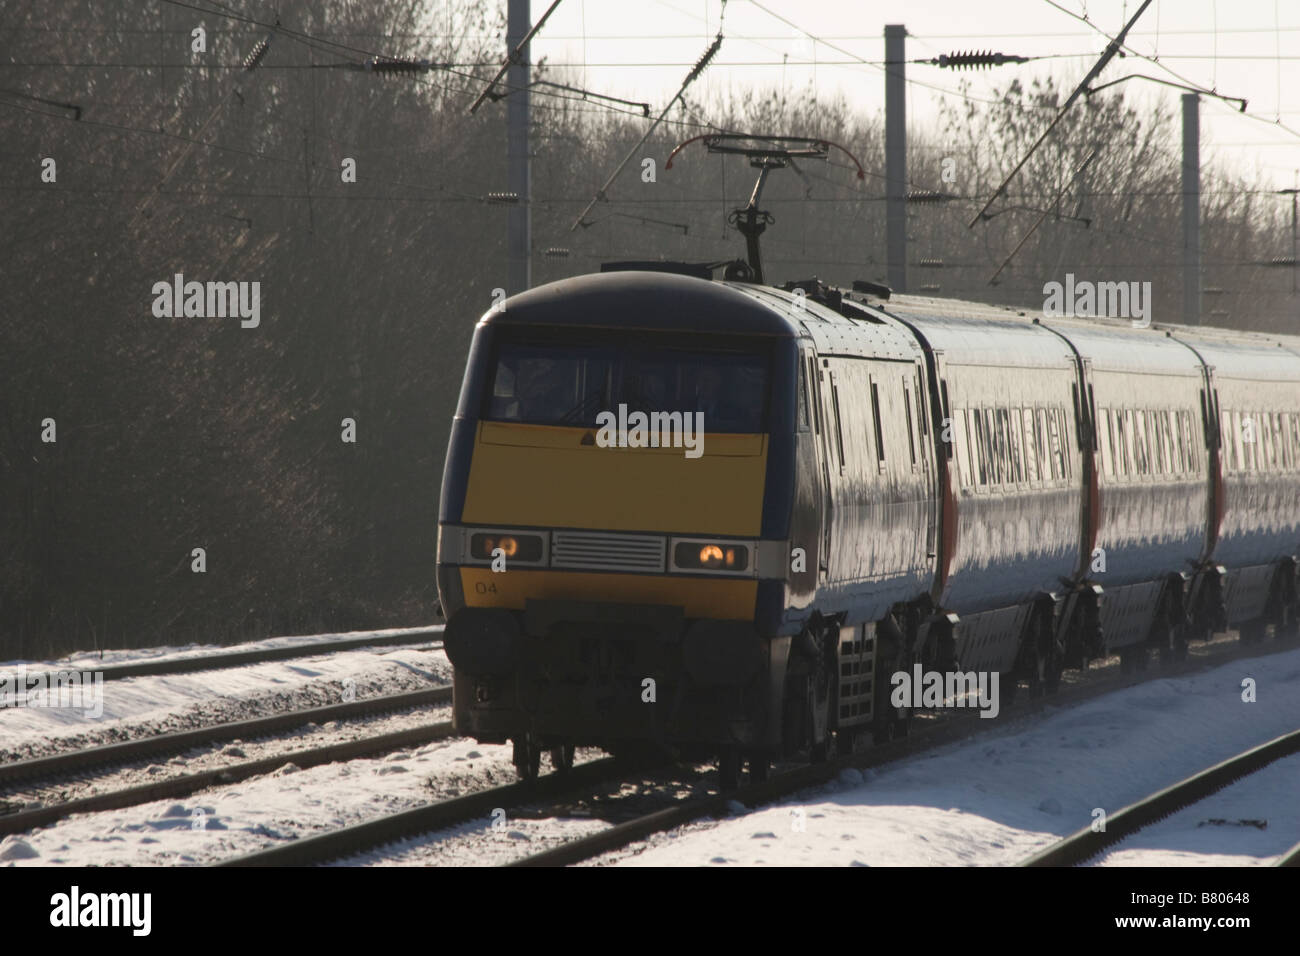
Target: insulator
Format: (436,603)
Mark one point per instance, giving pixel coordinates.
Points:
(978,60)
(259,51)
(386,64)
(928,196)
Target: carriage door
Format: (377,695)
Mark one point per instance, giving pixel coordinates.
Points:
(918,421)
(822,382)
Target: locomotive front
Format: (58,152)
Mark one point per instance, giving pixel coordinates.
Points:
(613,532)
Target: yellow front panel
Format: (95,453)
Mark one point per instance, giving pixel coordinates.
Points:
(543,476)
(716,598)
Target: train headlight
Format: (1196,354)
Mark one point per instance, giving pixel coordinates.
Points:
(521,547)
(720,556)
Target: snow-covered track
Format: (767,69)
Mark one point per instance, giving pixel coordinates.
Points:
(951,726)
(72,761)
(347,841)
(189,783)
(220,661)
(1087,843)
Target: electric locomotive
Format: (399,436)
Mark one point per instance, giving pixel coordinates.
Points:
(610,591)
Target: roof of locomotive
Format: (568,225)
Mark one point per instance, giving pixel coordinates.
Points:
(664,301)
(979,332)
(644,300)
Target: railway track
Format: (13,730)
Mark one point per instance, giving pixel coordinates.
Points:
(204,662)
(186,784)
(951,726)
(181,740)
(1085,844)
(360,837)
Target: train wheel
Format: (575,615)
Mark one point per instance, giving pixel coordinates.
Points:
(760,767)
(1052,668)
(1252,632)
(1009,687)
(888,722)
(825,750)
(527,759)
(562,758)
(729,768)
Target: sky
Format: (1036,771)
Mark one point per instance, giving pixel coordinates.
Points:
(643,49)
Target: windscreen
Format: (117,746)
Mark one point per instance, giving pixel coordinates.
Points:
(539,383)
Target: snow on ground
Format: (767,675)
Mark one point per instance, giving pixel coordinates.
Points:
(215,756)
(88,660)
(229,821)
(989,801)
(1000,797)
(1242,825)
(142,706)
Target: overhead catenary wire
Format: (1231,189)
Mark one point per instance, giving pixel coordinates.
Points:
(1159,62)
(1111,50)
(690,78)
(296,160)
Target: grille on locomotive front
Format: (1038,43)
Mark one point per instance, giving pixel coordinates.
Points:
(602,551)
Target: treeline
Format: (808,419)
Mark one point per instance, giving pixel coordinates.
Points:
(176,434)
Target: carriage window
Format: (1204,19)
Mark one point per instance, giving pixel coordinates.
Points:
(962,439)
(1054,444)
(1180,441)
(1066,469)
(1001,461)
(1031,458)
(1158,438)
(1275,441)
(812,393)
(1261,441)
(875,414)
(1140,448)
(994,446)
(1245,427)
(802,398)
(1015,433)
(839,428)
(907,407)
(1292,440)
(1107,443)
(1176,436)
(1040,445)
(981,445)
(1126,442)
(1283,440)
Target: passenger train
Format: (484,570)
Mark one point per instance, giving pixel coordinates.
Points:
(882,480)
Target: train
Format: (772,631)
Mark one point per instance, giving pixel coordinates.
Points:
(874,482)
